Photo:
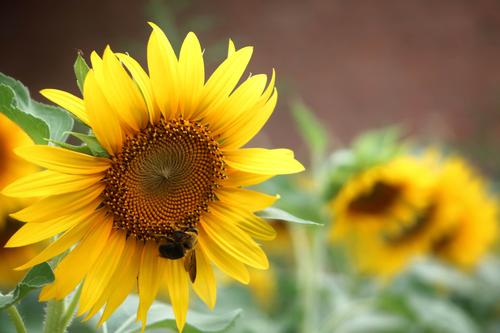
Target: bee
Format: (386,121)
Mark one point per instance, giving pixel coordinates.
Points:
(180,245)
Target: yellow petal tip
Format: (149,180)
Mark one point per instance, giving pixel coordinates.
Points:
(154,25)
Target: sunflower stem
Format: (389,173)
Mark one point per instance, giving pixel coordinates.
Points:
(53,314)
(16,318)
(69,314)
(305,276)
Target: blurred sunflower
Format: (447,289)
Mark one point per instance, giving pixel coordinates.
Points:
(168,201)
(11,167)
(384,215)
(382,198)
(453,213)
(476,220)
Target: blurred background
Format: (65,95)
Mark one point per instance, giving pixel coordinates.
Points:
(431,66)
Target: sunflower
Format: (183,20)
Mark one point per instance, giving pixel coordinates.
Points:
(11,167)
(476,222)
(455,213)
(384,217)
(382,197)
(168,201)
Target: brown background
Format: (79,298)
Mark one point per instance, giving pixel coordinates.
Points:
(432,66)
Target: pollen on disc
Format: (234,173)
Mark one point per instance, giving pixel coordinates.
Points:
(163,179)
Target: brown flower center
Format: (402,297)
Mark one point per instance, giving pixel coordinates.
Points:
(163,179)
(410,231)
(378,200)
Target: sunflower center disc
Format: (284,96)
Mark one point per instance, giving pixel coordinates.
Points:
(377,200)
(163,179)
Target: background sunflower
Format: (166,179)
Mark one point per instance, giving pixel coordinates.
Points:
(12,167)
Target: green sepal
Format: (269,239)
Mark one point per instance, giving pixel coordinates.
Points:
(81,69)
(91,142)
(273,213)
(79,149)
(89,146)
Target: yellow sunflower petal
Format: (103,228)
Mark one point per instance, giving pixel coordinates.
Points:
(127,275)
(68,239)
(226,263)
(230,48)
(71,270)
(222,82)
(122,93)
(237,178)
(67,101)
(191,74)
(103,119)
(35,232)
(60,205)
(96,66)
(233,240)
(246,199)
(247,221)
(102,271)
(249,124)
(257,228)
(205,284)
(270,88)
(244,98)
(263,161)
(46,183)
(150,273)
(178,289)
(63,160)
(163,70)
(142,80)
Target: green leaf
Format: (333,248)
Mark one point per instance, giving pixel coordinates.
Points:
(370,321)
(36,278)
(377,146)
(442,276)
(273,213)
(161,315)
(91,143)
(40,121)
(311,129)
(195,323)
(36,128)
(81,69)
(58,120)
(439,315)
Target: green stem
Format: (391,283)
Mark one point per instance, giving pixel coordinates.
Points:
(16,318)
(305,277)
(70,311)
(53,316)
